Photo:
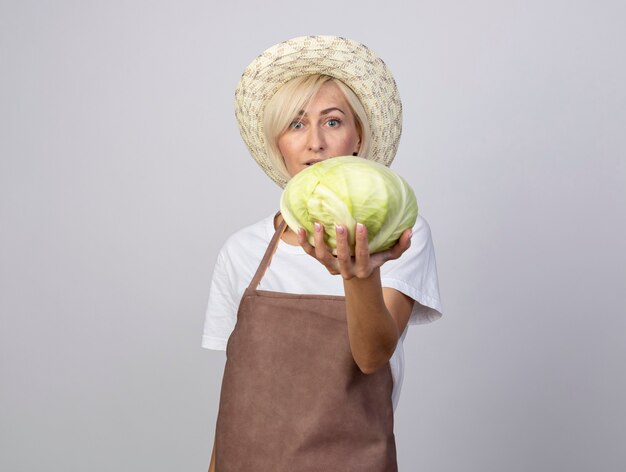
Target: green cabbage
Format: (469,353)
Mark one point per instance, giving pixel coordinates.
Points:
(346,191)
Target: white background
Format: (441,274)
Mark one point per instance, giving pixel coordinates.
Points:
(122,172)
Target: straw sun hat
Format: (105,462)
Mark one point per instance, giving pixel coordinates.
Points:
(351,62)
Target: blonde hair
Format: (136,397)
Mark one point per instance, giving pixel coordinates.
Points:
(291,98)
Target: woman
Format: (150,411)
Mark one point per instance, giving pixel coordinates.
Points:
(315,362)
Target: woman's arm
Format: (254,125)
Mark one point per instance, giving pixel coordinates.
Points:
(377,317)
(376,320)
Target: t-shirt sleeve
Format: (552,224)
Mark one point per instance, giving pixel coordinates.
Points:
(415,275)
(221,313)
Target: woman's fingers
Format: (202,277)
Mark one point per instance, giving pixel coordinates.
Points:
(320,245)
(344,259)
(304,242)
(362,263)
(397,250)
(362,260)
(402,245)
(321,252)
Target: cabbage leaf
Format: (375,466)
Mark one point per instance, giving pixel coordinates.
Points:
(345,191)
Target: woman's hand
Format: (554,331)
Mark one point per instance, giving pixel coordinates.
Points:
(362,264)
(376,316)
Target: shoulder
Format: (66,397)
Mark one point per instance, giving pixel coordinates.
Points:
(240,256)
(249,239)
(421,247)
(415,274)
(242,251)
(421,231)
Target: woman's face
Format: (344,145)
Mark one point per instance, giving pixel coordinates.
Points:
(326,129)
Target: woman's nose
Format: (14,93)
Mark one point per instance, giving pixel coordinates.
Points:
(316,139)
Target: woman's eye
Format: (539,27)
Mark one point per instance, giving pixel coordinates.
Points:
(297,124)
(333,123)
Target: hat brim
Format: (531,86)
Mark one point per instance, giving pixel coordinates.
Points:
(344,59)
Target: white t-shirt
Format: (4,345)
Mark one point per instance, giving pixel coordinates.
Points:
(294,271)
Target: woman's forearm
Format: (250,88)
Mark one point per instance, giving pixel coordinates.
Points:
(372,331)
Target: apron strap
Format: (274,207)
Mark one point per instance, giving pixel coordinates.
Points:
(269,253)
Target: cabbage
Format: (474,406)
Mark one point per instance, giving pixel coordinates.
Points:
(346,191)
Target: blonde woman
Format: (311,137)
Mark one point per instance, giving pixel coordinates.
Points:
(314,342)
